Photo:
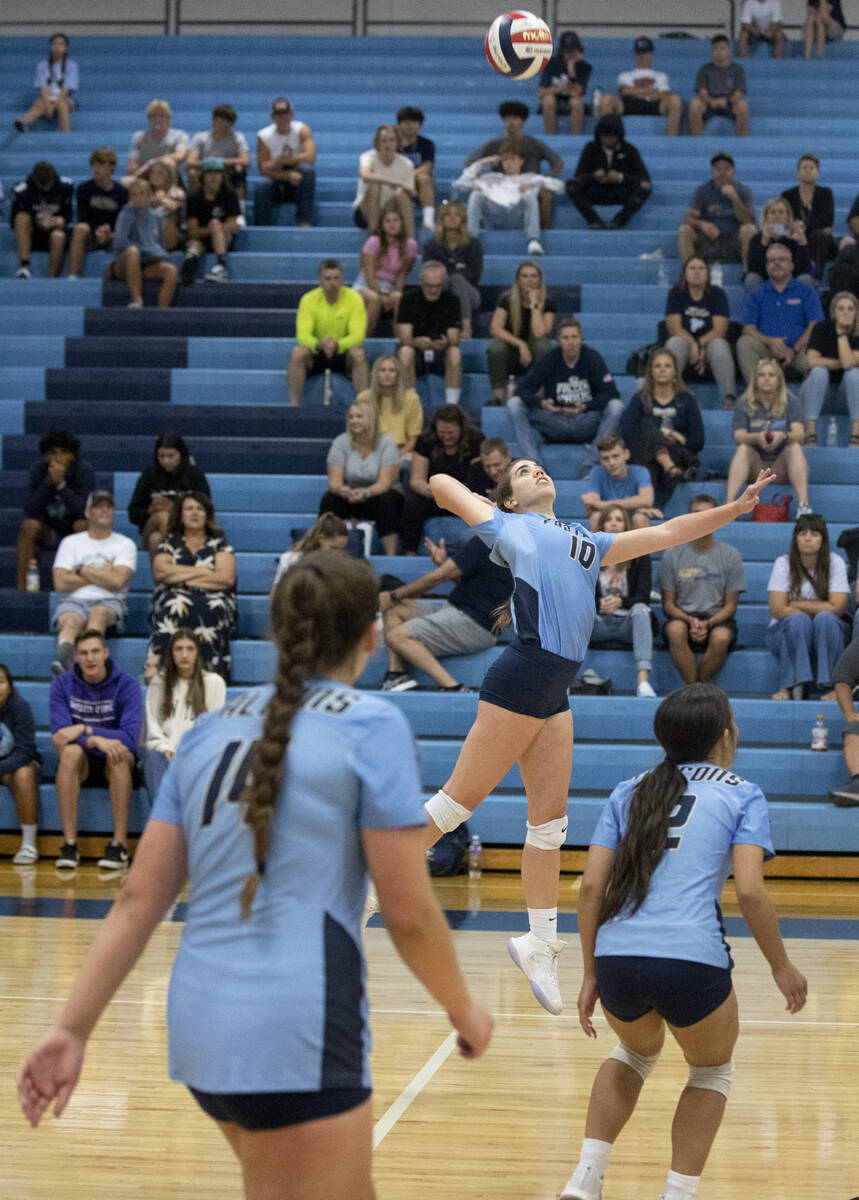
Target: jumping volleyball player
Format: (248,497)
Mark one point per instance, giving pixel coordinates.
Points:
(523,714)
(266,1014)
(652,938)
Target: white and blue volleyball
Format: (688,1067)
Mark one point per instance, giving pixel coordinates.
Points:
(518,44)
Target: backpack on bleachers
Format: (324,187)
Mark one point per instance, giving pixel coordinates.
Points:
(448,856)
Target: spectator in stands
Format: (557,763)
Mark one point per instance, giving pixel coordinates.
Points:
(222,141)
(41,214)
(720,219)
(428,328)
(613,483)
(485,472)
(20,763)
(845,679)
(563,84)
(623,601)
(462,257)
(696,317)
(701,584)
(57,489)
(808,593)
(400,412)
(579,398)
(662,426)
(99,200)
(92,570)
(194,570)
(57,78)
(178,694)
(363,466)
(824,22)
(385,177)
(286,154)
(610,170)
(769,432)
(778,225)
(814,206)
(514,114)
(833,356)
(213,221)
(329,329)
(505,198)
(140,252)
(460,624)
(643,91)
(387,258)
(761,21)
(721,90)
(160,140)
(521,329)
(168,200)
(96,717)
(448,446)
(327,533)
(420,151)
(778,316)
(172,473)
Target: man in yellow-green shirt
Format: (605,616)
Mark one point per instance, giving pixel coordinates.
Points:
(330,328)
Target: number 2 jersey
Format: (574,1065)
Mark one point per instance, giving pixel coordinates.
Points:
(277,1002)
(681,916)
(555,566)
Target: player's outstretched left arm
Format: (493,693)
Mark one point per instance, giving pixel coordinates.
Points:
(449,493)
(686,528)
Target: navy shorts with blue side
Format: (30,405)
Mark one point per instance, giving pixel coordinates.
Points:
(529,680)
(681,992)
(275,1110)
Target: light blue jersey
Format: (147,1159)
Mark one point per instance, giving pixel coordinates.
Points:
(277,1002)
(680,916)
(555,565)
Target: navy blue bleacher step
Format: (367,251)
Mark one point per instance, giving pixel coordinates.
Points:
(137,352)
(255,456)
(24,611)
(142,324)
(117,383)
(88,417)
(209,295)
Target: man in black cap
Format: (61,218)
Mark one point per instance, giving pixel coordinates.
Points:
(609,171)
(563,84)
(645,92)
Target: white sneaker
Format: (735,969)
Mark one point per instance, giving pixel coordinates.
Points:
(23,272)
(803,509)
(585,1183)
(535,247)
(539,961)
(218,274)
(135,304)
(241,222)
(25,856)
(717,275)
(74,277)
(644,689)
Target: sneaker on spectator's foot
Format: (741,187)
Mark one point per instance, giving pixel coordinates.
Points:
(19,125)
(135,304)
(717,275)
(25,856)
(847,796)
(241,221)
(24,272)
(69,858)
(115,856)
(74,277)
(457,687)
(803,509)
(617,222)
(644,689)
(64,660)
(585,1183)
(218,274)
(535,247)
(188,273)
(539,961)
(371,905)
(599,223)
(398,681)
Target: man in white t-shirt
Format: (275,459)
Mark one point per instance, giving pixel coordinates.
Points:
(286,153)
(91,572)
(385,178)
(644,92)
(761,21)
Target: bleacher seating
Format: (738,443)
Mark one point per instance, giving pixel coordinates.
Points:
(213,367)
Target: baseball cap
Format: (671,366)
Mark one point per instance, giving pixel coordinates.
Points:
(281,105)
(100,494)
(212,163)
(643,45)
(570,41)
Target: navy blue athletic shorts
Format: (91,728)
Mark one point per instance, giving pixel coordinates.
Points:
(682,992)
(274,1110)
(529,680)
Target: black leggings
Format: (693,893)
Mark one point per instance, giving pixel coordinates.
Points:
(416,510)
(383,511)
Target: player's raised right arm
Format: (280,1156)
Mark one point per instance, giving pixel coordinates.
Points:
(449,493)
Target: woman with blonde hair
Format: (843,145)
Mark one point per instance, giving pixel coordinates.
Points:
(168,199)
(363,466)
(326,533)
(401,414)
(521,328)
(778,224)
(769,432)
(833,355)
(462,256)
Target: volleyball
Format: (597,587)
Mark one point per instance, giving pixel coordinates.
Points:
(518,44)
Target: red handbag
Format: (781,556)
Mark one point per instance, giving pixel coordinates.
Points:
(777,510)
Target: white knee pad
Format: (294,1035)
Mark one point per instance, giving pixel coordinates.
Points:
(715,1079)
(548,836)
(638,1062)
(445,812)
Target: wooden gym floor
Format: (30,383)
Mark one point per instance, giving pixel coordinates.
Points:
(505,1128)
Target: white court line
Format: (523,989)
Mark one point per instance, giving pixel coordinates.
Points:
(389,1119)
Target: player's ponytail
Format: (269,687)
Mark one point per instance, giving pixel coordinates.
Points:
(320,610)
(688,724)
(503,614)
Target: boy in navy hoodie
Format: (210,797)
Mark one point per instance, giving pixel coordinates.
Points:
(96,716)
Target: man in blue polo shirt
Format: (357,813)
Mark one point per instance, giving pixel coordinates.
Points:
(777,318)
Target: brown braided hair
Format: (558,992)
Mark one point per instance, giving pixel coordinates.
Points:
(320,610)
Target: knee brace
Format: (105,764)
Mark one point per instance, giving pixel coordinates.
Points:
(548,836)
(445,812)
(638,1062)
(715,1079)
